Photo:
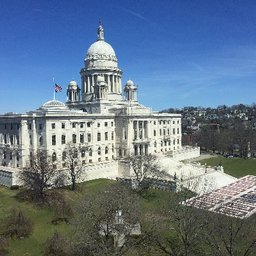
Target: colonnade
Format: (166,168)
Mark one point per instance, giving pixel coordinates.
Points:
(113,81)
(141,149)
(140,129)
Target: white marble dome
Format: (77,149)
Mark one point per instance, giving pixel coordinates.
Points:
(53,105)
(101,49)
(100,54)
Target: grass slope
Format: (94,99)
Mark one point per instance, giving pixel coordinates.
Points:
(237,167)
(41,217)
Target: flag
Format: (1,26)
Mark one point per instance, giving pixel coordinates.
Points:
(58,88)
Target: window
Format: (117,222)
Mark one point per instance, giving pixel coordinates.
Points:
(18,139)
(174,142)
(5,139)
(10,155)
(155,144)
(98,136)
(63,125)
(11,139)
(4,154)
(18,126)
(106,124)
(83,153)
(74,138)
(18,157)
(88,124)
(154,132)
(99,151)
(160,131)
(106,150)
(173,122)
(53,125)
(112,124)
(178,130)
(63,139)
(178,141)
(64,156)
(178,122)
(98,124)
(112,135)
(40,126)
(106,135)
(73,125)
(81,138)
(89,137)
(30,139)
(81,125)
(29,126)
(53,140)
(54,157)
(41,141)
(90,152)
(173,130)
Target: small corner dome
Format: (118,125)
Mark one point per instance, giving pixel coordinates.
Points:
(100,79)
(130,83)
(72,84)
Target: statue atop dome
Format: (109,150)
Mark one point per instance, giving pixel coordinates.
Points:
(100,32)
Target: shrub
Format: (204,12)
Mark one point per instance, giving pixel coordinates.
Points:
(14,187)
(17,225)
(3,246)
(55,246)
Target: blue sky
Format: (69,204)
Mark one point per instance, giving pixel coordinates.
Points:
(179,52)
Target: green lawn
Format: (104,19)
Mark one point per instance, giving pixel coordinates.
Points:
(41,217)
(237,167)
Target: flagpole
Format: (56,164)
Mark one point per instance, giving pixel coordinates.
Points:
(54,94)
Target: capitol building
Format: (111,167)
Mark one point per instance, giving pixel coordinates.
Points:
(102,117)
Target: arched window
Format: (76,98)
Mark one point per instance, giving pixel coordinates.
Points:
(41,140)
(90,152)
(64,155)
(54,157)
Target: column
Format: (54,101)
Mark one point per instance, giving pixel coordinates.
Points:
(112,83)
(108,82)
(138,130)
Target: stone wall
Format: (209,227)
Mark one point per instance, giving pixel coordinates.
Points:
(186,152)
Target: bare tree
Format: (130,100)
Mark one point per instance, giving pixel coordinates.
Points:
(39,177)
(145,167)
(73,163)
(231,236)
(107,223)
(179,230)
